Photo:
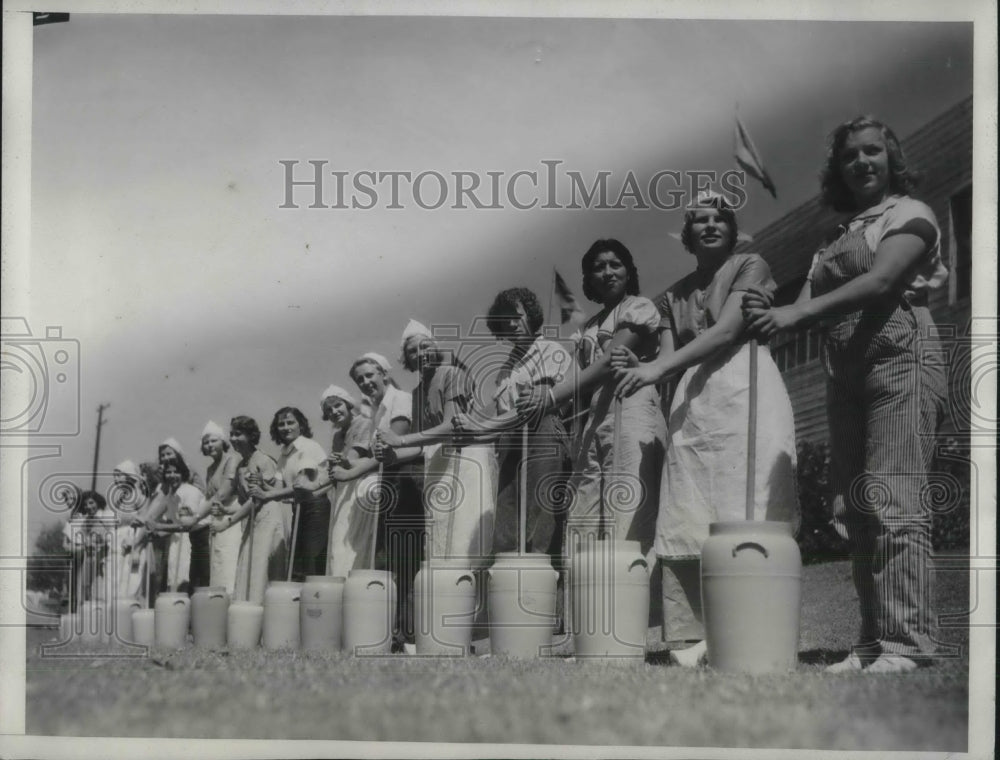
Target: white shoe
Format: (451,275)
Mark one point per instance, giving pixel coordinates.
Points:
(850,664)
(891,663)
(870,663)
(691,657)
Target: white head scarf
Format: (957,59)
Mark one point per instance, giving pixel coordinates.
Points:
(336,391)
(214,429)
(172,443)
(128,467)
(413,329)
(378,359)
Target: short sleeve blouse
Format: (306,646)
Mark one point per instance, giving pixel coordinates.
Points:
(395,405)
(890,217)
(544,363)
(186,498)
(449,383)
(224,472)
(633,312)
(694,303)
(356,437)
(260,464)
(301,454)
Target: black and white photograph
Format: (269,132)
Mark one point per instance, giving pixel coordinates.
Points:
(557,379)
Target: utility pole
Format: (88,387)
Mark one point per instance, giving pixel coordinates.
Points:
(97,444)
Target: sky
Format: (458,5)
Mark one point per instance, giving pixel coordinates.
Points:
(159,245)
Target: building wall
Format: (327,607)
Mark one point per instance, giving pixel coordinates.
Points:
(942,150)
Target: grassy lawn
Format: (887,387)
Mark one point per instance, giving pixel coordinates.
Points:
(295,695)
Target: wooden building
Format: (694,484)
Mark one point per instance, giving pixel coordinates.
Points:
(942,151)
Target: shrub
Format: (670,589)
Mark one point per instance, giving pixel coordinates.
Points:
(817,538)
(48,566)
(949,495)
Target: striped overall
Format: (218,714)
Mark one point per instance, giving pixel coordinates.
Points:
(883,406)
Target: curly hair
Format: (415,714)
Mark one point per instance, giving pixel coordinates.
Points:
(504,308)
(610,245)
(835,193)
(727,213)
(304,428)
(179,458)
(84,496)
(247,426)
(181,466)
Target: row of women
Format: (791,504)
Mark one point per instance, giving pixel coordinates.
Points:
(444,466)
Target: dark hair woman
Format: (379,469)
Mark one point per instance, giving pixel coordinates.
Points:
(705,347)
(272,520)
(869,289)
(515,318)
(621,505)
(85,535)
(300,457)
(170,518)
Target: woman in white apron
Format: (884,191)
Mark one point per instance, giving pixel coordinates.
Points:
(129,498)
(460,482)
(220,500)
(352,469)
(171,516)
(705,345)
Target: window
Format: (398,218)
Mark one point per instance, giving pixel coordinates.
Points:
(961,252)
(802,347)
(813,344)
(796,350)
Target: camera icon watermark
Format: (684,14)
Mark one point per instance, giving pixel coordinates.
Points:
(967,363)
(40,381)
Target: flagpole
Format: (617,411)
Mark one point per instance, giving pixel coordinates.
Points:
(552,293)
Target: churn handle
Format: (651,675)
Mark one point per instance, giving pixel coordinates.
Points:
(465,577)
(180,602)
(375,583)
(640,561)
(750,545)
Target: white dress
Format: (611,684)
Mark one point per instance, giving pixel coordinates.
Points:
(226,543)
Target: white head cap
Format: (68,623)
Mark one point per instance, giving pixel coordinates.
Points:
(128,467)
(378,359)
(335,391)
(214,429)
(172,443)
(413,330)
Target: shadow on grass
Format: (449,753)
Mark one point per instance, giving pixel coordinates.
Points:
(661,657)
(822,656)
(806,657)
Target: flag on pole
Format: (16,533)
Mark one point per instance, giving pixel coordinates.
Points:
(749,159)
(569,310)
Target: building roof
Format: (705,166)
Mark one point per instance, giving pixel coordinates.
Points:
(941,150)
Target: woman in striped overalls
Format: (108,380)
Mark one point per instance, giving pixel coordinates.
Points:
(884,401)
